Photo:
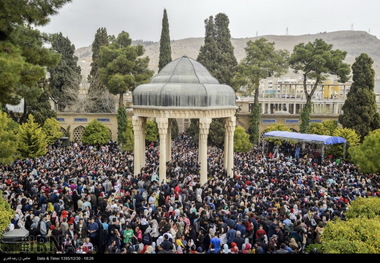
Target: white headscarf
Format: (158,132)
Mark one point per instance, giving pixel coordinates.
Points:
(226,250)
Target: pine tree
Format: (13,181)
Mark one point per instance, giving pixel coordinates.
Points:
(122,67)
(66,76)
(360,108)
(317,60)
(32,141)
(22,65)
(165,49)
(262,61)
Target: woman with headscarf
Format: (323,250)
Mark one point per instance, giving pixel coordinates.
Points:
(225,250)
(234,248)
(246,241)
(247,248)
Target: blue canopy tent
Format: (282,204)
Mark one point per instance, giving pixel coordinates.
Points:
(308,138)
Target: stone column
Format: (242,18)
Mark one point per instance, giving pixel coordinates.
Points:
(162,124)
(204,126)
(225,156)
(230,130)
(142,143)
(169,142)
(137,129)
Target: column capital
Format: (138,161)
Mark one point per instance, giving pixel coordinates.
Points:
(162,124)
(137,123)
(204,125)
(230,123)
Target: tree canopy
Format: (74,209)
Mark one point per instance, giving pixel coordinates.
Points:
(217,53)
(262,61)
(366,155)
(241,140)
(96,133)
(122,67)
(359,234)
(360,108)
(52,130)
(8,147)
(22,66)
(316,61)
(31,139)
(165,48)
(99,97)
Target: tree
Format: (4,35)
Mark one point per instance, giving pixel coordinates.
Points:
(360,108)
(217,53)
(226,60)
(209,53)
(323,128)
(52,130)
(99,98)
(359,234)
(23,65)
(31,139)
(365,155)
(6,214)
(241,140)
(352,139)
(262,61)
(151,131)
(174,128)
(121,124)
(96,133)
(8,147)
(32,12)
(317,61)
(365,208)
(165,48)
(66,76)
(121,66)
(128,137)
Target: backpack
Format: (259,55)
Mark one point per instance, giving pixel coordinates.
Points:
(147,239)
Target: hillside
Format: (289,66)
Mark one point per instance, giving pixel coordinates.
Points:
(354,42)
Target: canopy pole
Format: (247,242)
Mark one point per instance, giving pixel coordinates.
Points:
(323,153)
(344,151)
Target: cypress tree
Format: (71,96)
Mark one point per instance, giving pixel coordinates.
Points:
(360,109)
(121,124)
(218,57)
(99,98)
(165,49)
(208,53)
(226,60)
(66,76)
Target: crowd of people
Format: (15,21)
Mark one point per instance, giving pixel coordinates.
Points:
(85,199)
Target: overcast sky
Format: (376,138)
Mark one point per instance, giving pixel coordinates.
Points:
(142,19)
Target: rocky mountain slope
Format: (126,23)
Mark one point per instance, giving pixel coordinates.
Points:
(354,42)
